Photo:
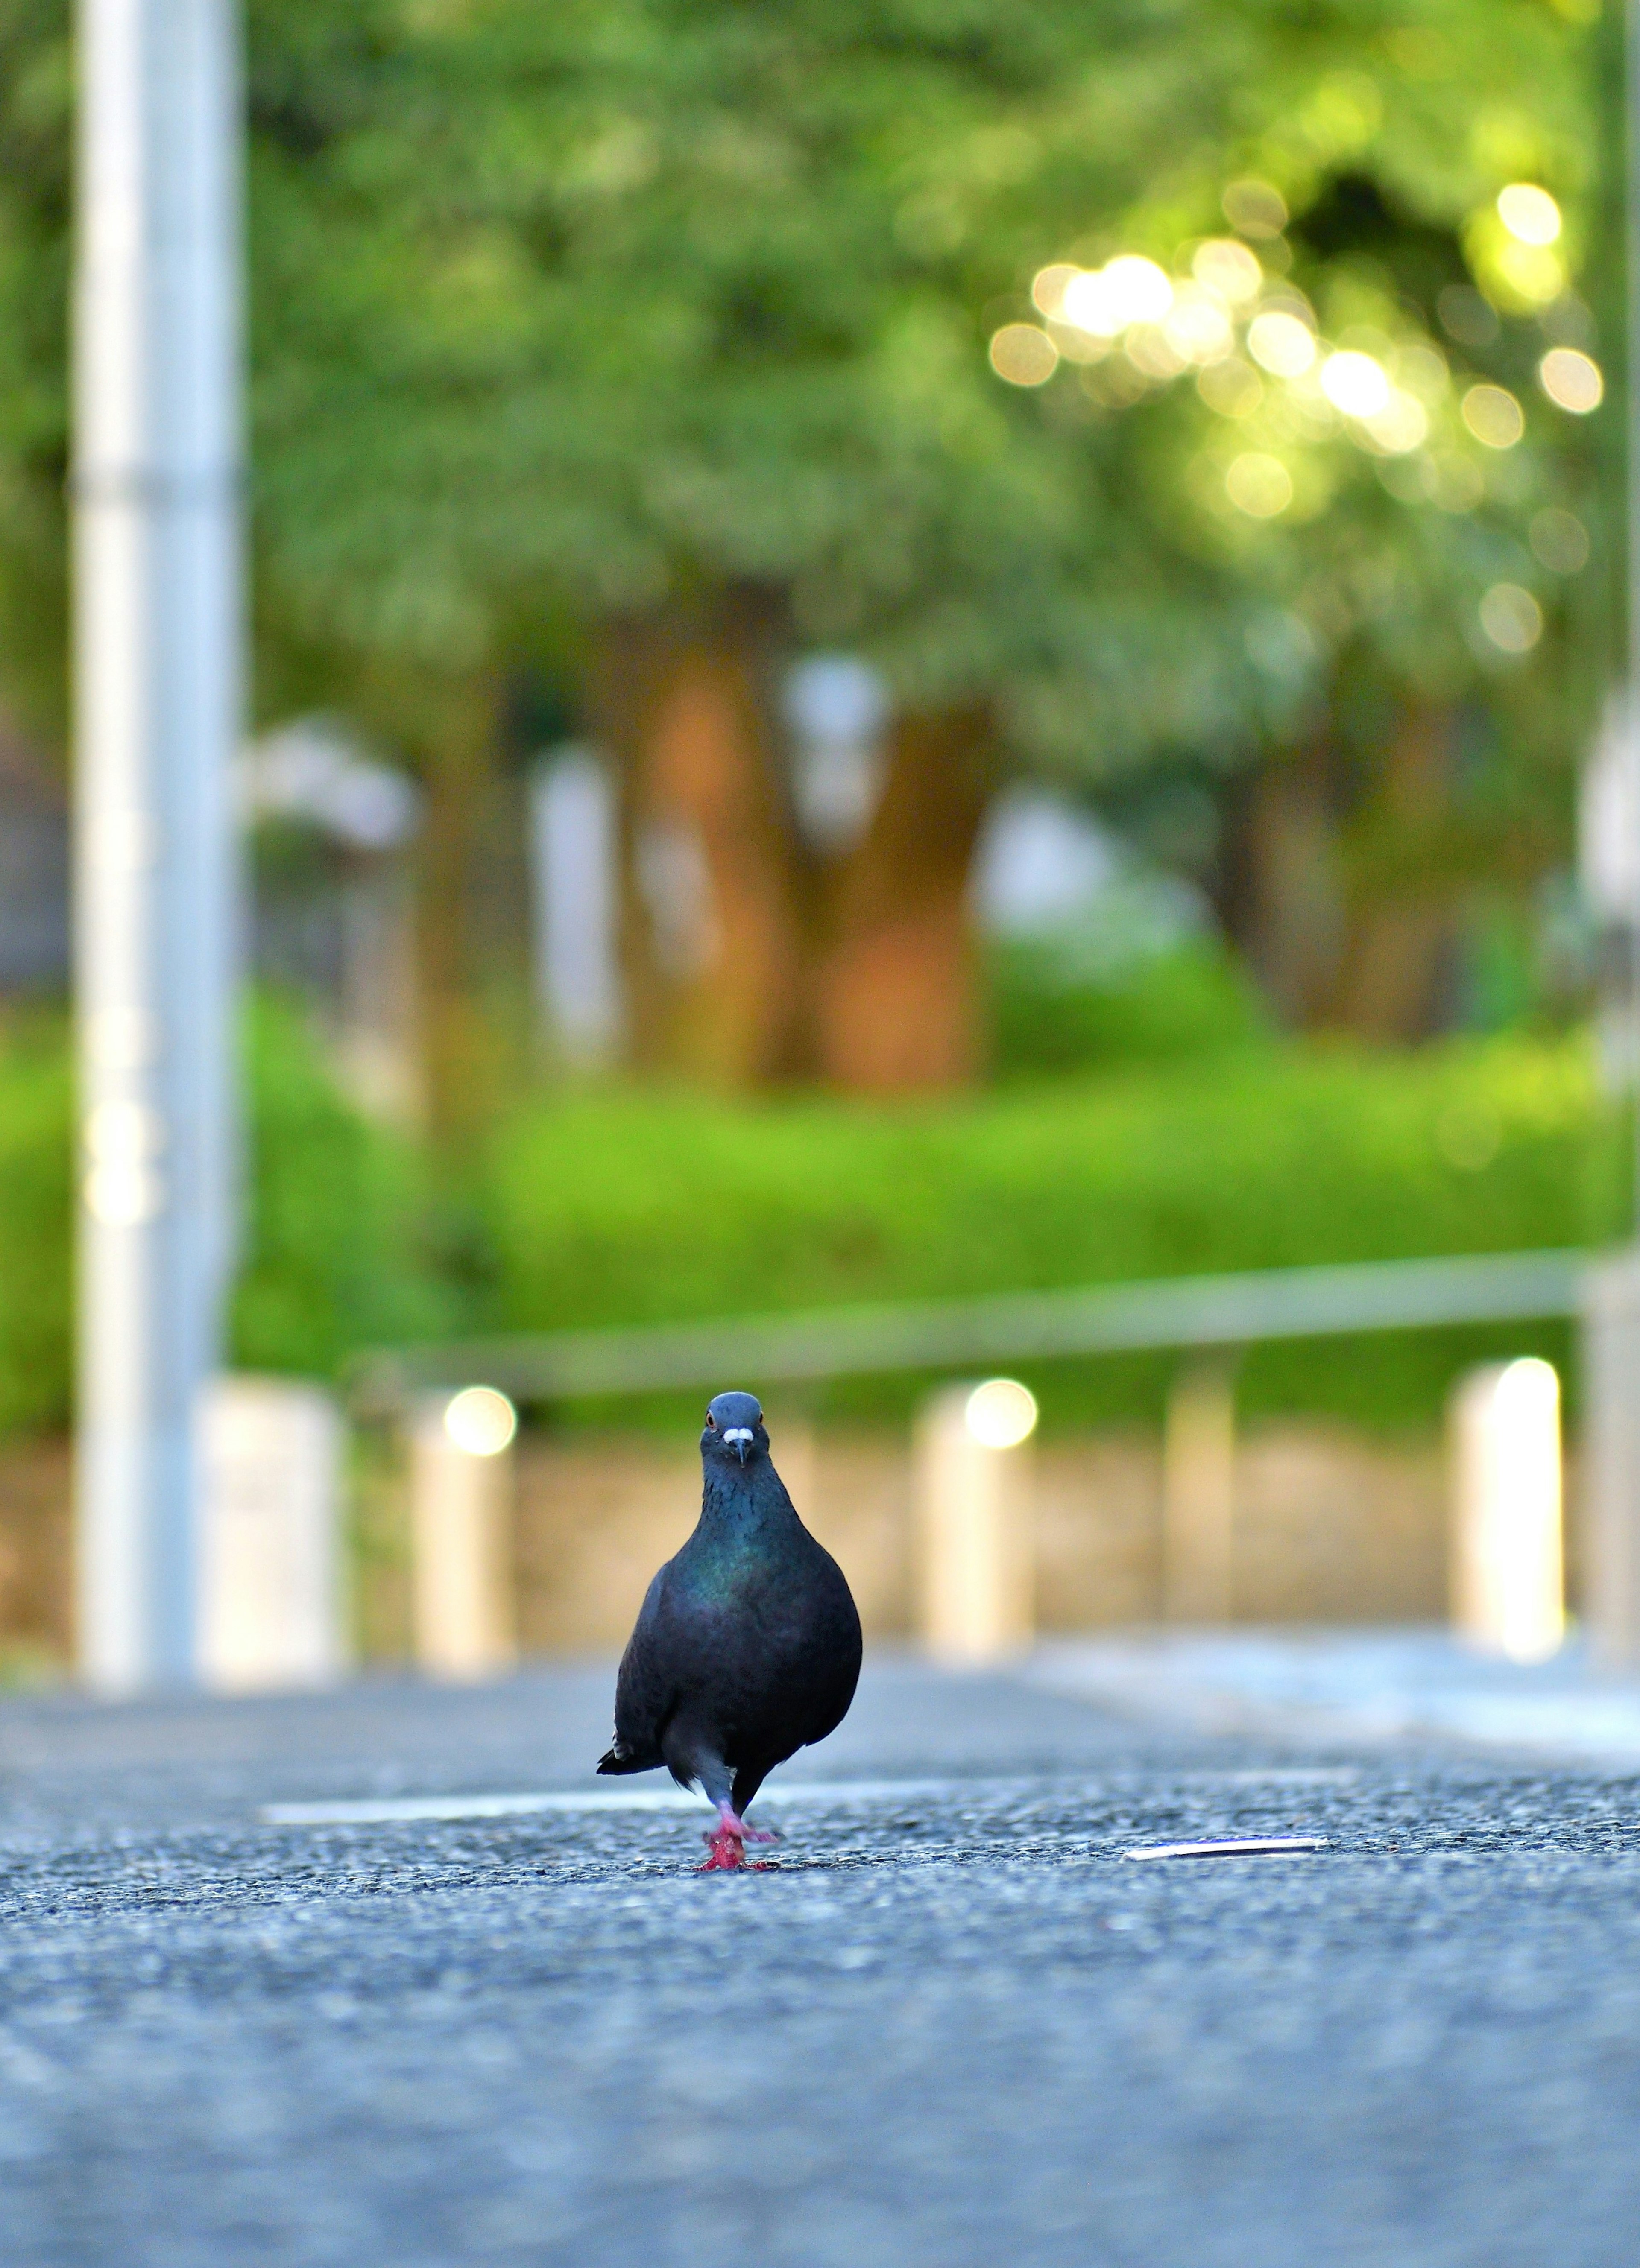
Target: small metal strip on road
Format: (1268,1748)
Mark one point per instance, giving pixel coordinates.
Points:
(1256,1847)
(1225,1310)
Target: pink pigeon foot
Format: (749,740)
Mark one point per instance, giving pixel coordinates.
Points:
(726,1843)
(726,1852)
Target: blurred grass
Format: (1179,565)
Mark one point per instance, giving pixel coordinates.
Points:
(622,1205)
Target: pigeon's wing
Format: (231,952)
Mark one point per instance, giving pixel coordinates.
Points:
(837,1649)
(644,1692)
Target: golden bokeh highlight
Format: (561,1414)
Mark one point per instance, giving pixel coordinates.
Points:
(1282,343)
(1530,214)
(1494,416)
(1572,381)
(1023,355)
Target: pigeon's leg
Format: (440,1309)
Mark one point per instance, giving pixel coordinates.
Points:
(734,1824)
(726,1841)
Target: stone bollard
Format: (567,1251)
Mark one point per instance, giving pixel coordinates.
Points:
(975,1562)
(1199,1495)
(270,1591)
(1609,1525)
(461,1585)
(1507,1576)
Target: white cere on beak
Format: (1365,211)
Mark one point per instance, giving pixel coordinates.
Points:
(737,1433)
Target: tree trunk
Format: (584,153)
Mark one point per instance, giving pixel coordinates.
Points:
(1348,921)
(892,968)
(749,957)
(1282,900)
(711,944)
(1396,979)
(468,1049)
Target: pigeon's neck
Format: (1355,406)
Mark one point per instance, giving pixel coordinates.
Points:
(746,1500)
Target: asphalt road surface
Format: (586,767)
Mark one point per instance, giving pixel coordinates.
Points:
(951,2023)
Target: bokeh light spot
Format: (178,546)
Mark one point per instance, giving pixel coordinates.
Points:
(1001,1414)
(1283,344)
(1530,214)
(1494,416)
(480,1421)
(1511,618)
(1047,289)
(1401,426)
(1560,540)
(1023,355)
(1257,209)
(1356,384)
(1572,381)
(1228,268)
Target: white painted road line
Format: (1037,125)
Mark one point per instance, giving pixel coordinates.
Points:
(386,1810)
(1254,1846)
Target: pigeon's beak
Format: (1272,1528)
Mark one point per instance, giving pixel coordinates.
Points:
(740,1436)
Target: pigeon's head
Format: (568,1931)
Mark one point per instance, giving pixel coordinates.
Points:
(734,1428)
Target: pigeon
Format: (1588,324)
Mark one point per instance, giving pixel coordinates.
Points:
(747,1646)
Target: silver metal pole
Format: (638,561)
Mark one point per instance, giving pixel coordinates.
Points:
(156,695)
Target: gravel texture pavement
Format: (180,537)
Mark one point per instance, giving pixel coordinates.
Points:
(952,2024)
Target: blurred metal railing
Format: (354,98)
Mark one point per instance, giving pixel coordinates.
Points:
(1185,1311)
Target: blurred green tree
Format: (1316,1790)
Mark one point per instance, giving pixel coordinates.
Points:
(650,345)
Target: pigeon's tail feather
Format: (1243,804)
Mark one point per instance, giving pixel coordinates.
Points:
(619,1759)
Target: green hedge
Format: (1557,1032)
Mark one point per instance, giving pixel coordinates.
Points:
(36,1323)
(622,1205)
(339,1234)
(617,1207)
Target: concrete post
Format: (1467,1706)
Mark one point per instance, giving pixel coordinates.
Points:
(1507,1583)
(974,1558)
(271,1582)
(1199,1496)
(1610,1524)
(462,1583)
(157,704)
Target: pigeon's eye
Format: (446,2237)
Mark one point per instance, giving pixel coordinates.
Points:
(712,1421)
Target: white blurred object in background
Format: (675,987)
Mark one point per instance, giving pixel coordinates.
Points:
(271,1575)
(461,1485)
(574,855)
(975,1553)
(312,770)
(1608,819)
(1040,862)
(1507,1582)
(340,928)
(837,711)
(1608,861)
(1048,873)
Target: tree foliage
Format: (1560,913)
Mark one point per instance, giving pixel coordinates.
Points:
(568,312)
(564,312)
